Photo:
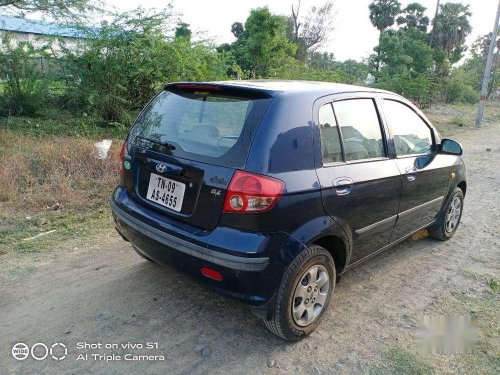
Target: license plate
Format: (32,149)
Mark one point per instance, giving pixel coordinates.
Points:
(167,192)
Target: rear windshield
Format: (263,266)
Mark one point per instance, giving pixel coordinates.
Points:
(213,126)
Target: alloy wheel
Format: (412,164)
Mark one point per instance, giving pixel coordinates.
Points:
(453,214)
(310,295)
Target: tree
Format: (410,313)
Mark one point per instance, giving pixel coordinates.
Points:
(25,86)
(322,60)
(264,44)
(128,59)
(481,45)
(431,37)
(56,8)
(182,31)
(413,17)
(237,29)
(473,66)
(406,63)
(451,27)
(403,50)
(313,31)
(383,15)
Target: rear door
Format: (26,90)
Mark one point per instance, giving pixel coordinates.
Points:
(185,147)
(360,183)
(424,173)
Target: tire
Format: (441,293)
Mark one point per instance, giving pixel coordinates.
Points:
(301,271)
(449,219)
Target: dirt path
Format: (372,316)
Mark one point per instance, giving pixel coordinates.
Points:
(110,295)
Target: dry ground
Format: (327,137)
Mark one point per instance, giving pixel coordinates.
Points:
(105,293)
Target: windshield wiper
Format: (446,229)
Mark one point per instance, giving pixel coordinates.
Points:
(168,146)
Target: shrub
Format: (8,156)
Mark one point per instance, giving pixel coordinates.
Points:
(297,70)
(458,91)
(124,63)
(418,87)
(25,86)
(458,120)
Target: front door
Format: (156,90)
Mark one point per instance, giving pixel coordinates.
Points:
(424,174)
(360,185)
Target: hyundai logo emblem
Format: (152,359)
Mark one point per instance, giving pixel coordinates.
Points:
(161,167)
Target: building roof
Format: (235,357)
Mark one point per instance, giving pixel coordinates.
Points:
(23,25)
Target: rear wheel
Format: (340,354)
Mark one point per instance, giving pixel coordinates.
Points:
(304,294)
(449,219)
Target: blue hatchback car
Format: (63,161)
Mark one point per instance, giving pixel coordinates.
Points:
(270,190)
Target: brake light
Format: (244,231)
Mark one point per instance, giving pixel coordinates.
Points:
(194,86)
(250,192)
(122,156)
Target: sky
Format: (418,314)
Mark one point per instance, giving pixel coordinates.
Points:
(353,36)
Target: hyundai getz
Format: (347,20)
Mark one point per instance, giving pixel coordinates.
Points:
(270,190)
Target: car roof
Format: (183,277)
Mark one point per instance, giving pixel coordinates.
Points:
(273,86)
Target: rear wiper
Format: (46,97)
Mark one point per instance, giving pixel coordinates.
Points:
(168,146)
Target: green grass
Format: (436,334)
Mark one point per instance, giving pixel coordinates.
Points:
(494,285)
(64,124)
(398,361)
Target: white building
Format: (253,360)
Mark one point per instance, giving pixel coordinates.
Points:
(39,33)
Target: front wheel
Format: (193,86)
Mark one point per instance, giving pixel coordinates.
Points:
(449,219)
(304,294)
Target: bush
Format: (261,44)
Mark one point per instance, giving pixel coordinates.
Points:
(297,70)
(458,120)
(459,91)
(25,86)
(418,87)
(123,64)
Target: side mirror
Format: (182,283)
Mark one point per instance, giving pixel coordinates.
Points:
(449,146)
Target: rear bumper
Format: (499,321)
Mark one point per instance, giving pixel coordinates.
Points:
(226,260)
(252,264)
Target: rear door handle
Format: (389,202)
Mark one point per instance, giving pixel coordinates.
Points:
(411,173)
(342,185)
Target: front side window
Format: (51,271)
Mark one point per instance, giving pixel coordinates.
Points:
(360,129)
(411,134)
(330,141)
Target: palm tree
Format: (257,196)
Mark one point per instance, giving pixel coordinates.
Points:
(451,27)
(383,15)
(434,23)
(413,17)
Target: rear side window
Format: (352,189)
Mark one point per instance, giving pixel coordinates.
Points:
(360,129)
(330,140)
(208,126)
(411,134)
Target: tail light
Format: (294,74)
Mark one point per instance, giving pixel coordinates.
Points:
(250,192)
(122,156)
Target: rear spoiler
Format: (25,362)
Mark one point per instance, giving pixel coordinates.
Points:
(226,88)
